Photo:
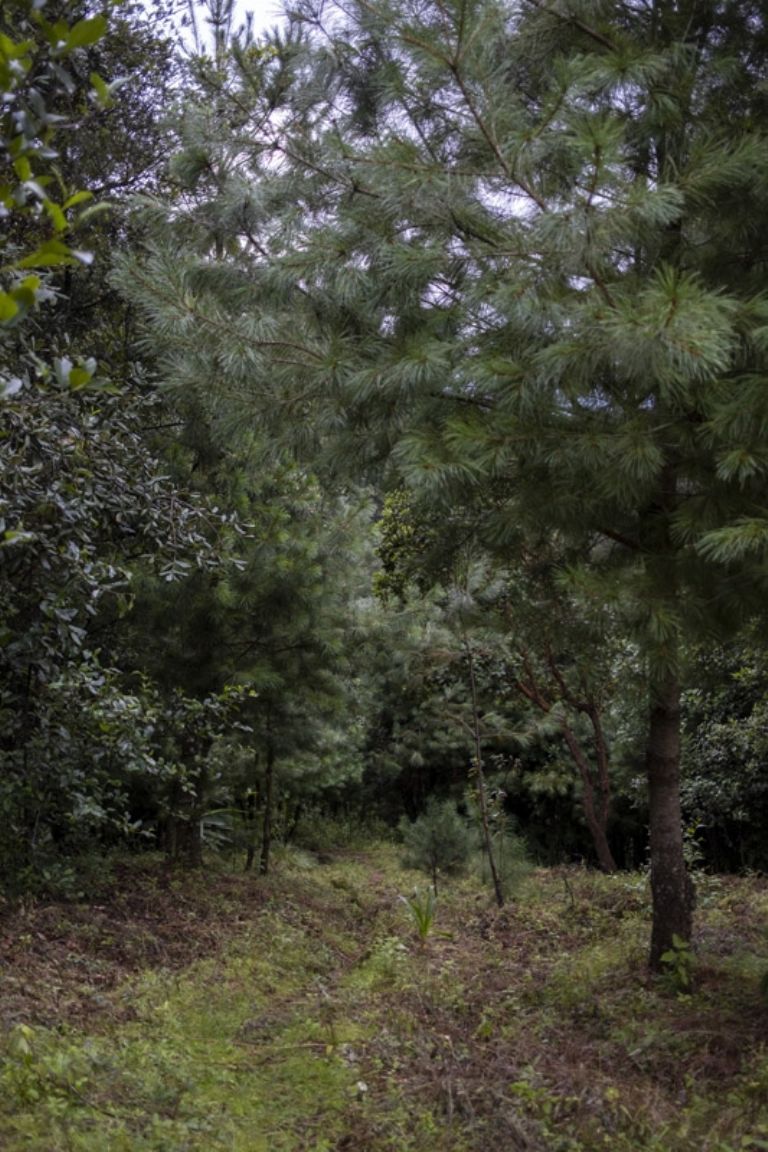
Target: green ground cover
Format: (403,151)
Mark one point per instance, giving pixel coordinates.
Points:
(306,1013)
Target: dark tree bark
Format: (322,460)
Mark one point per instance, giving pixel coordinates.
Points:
(266,835)
(248,809)
(596,807)
(671,886)
(194,827)
(595,778)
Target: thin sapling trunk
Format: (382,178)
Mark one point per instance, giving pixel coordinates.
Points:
(482,795)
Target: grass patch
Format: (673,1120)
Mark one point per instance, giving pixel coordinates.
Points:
(303,1013)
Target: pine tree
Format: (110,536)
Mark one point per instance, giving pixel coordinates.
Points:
(438,841)
(281,621)
(516,250)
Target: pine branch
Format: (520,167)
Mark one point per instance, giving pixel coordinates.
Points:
(485,405)
(206,320)
(531,689)
(580,705)
(335,178)
(600,284)
(493,143)
(568,18)
(620,538)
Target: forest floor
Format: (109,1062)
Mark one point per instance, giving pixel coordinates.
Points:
(302,1013)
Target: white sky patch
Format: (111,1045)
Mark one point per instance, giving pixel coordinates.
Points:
(265,14)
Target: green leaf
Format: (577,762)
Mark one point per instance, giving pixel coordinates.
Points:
(10,50)
(25,298)
(17,537)
(76,198)
(22,168)
(28,284)
(85,32)
(101,89)
(48,255)
(8,307)
(57,217)
(36,188)
(79,378)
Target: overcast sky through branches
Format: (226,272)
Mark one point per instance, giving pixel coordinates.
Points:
(266,14)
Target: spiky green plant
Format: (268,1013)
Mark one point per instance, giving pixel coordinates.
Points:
(422,906)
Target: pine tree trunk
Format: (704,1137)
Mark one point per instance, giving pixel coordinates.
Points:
(599,838)
(487,838)
(595,779)
(249,819)
(194,827)
(595,815)
(266,836)
(171,823)
(671,887)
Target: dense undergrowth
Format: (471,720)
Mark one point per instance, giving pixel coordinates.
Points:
(305,1013)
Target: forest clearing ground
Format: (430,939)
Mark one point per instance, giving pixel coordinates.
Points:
(300,1013)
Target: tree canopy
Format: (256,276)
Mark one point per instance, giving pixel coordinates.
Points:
(497,248)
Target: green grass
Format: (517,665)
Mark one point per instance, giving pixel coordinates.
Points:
(318,1021)
(233,1054)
